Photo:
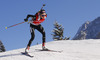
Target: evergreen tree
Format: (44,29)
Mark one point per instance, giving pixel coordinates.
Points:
(2,48)
(58,31)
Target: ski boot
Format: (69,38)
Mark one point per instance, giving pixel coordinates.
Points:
(27,49)
(43,47)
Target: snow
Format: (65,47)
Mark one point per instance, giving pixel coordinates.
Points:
(72,50)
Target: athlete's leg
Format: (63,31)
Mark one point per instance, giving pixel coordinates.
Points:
(32,36)
(41,30)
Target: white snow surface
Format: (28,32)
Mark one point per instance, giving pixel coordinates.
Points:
(72,50)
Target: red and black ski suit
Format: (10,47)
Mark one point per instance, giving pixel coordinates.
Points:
(35,24)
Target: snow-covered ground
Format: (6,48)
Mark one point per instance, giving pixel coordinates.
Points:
(72,50)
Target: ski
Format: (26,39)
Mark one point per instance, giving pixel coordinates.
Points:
(48,50)
(27,54)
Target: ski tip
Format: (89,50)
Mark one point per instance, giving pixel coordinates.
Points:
(5,27)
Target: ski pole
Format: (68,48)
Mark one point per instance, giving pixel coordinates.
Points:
(14,25)
(21,22)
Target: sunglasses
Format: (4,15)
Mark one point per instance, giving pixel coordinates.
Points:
(43,15)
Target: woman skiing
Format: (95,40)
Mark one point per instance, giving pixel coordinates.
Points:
(35,23)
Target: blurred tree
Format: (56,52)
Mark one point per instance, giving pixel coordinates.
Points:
(2,48)
(58,32)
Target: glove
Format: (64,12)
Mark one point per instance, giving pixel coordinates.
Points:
(25,20)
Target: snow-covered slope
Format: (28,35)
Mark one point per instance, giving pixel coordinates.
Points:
(72,50)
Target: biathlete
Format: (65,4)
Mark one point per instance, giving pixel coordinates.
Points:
(35,23)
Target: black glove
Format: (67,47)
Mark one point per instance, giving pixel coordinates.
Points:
(25,20)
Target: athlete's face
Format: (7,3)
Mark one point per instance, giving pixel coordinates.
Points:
(43,15)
